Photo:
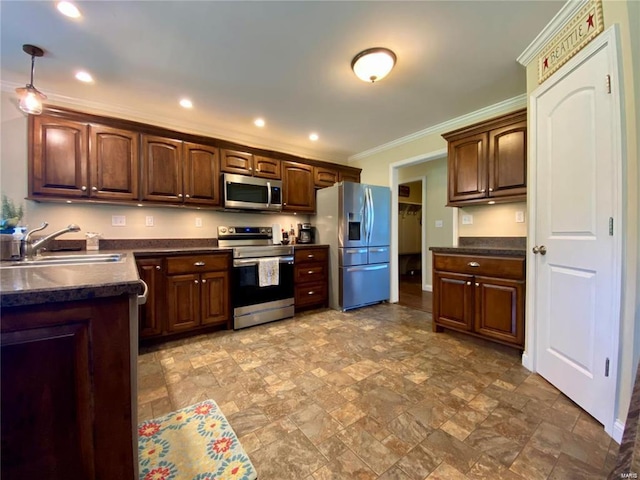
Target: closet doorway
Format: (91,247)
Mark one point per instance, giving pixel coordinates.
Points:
(411,200)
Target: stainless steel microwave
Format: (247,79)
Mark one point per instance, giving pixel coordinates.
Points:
(252,193)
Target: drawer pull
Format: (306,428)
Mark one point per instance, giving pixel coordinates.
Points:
(310,272)
(477,284)
(311,292)
(473,264)
(468,283)
(157,267)
(204,280)
(196,282)
(311,255)
(199,264)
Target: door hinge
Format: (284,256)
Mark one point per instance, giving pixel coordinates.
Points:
(611,226)
(608,83)
(606,368)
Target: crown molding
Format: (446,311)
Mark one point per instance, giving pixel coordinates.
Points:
(195,128)
(556,24)
(511,104)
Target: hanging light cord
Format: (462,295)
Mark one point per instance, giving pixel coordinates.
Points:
(33,68)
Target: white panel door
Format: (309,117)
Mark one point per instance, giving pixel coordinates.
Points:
(575,196)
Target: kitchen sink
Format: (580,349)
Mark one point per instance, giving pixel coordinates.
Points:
(46,260)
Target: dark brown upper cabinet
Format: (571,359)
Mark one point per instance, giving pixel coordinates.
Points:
(201,174)
(243,163)
(325,177)
(71,158)
(488,161)
(297,187)
(161,169)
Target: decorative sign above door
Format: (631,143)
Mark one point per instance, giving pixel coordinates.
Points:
(583,27)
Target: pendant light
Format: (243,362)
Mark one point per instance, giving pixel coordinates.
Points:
(373,64)
(30,97)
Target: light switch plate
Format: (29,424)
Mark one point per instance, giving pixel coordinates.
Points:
(148,221)
(439,223)
(467,219)
(198,222)
(519,216)
(118,221)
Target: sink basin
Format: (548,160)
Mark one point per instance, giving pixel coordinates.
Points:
(67,260)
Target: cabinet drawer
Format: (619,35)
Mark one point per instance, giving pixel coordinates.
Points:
(197,264)
(310,255)
(503,267)
(310,294)
(310,273)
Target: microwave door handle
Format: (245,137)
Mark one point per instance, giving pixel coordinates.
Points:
(268,194)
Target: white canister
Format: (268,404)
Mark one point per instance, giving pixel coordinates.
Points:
(93,241)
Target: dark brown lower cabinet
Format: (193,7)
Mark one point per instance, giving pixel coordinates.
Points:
(66,391)
(151,314)
(311,274)
(482,296)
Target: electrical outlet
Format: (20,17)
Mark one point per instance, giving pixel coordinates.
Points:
(519,216)
(118,221)
(439,223)
(467,219)
(198,222)
(148,221)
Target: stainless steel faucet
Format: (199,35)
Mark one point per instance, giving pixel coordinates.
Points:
(32,247)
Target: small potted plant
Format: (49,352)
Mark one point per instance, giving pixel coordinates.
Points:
(11,215)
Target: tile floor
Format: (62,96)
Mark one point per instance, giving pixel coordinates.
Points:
(375,394)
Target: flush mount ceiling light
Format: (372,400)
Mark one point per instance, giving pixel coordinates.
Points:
(30,97)
(373,64)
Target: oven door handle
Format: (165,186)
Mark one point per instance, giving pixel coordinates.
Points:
(247,262)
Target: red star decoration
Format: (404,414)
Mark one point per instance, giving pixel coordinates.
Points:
(545,64)
(590,22)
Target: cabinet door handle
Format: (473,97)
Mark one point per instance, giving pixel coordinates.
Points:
(188,196)
(310,272)
(204,280)
(157,267)
(477,284)
(311,255)
(94,189)
(491,189)
(179,195)
(83,188)
(473,264)
(311,292)
(468,283)
(199,264)
(482,191)
(196,281)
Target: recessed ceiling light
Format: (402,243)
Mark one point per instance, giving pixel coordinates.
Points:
(186,103)
(314,137)
(259,122)
(84,77)
(68,9)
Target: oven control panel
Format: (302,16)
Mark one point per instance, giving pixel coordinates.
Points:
(244,232)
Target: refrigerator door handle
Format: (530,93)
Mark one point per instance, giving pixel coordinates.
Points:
(373,215)
(367,268)
(367,209)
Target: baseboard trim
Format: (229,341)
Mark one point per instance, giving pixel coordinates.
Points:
(427,288)
(527,362)
(618,430)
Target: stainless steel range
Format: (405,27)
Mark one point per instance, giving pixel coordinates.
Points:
(262,275)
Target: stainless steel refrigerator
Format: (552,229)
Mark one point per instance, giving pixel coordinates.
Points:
(355,221)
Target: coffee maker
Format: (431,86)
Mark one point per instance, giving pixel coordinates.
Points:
(305,233)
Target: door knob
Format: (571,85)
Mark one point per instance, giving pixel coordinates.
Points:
(542,250)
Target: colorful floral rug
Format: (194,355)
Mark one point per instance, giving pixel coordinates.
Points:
(194,443)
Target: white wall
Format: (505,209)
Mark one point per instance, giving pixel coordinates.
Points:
(169,222)
(497,220)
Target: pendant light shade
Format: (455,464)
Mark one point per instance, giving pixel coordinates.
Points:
(373,64)
(30,97)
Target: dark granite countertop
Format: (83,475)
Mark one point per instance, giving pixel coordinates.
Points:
(494,246)
(32,285)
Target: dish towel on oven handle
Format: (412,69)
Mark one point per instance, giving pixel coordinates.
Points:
(268,272)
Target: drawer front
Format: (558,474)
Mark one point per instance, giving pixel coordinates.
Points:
(310,272)
(503,267)
(313,293)
(310,255)
(197,264)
